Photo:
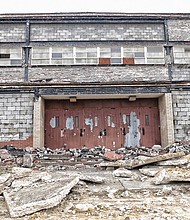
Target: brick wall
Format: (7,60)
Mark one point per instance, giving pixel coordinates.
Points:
(12,32)
(16,119)
(99,74)
(11,75)
(179,30)
(81,32)
(180,72)
(181,110)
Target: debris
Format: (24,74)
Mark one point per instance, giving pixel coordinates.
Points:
(112,156)
(28,160)
(84,207)
(91,179)
(176,162)
(138,162)
(172,175)
(150,170)
(39,196)
(122,172)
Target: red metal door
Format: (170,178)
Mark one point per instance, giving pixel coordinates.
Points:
(109,123)
(92,135)
(52,128)
(129,124)
(149,126)
(71,128)
(111,128)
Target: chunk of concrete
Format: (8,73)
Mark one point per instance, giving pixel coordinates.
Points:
(5,180)
(148,160)
(175,162)
(150,171)
(172,175)
(28,160)
(31,179)
(19,172)
(122,172)
(91,179)
(30,199)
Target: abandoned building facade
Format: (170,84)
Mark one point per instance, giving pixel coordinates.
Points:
(69,80)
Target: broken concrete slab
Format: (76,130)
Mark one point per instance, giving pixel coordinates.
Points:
(36,197)
(122,172)
(19,172)
(141,161)
(150,170)
(175,162)
(91,179)
(172,175)
(31,179)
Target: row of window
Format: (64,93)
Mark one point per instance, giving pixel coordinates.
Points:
(97,55)
(94,55)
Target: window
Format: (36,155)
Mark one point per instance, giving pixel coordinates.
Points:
(181,55)
(11,57)
(155,55)
(40,56)
(92,55)
(86,55)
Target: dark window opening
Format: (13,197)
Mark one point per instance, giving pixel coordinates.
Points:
(4,55)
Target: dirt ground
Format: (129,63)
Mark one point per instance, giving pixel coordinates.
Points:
(116,198)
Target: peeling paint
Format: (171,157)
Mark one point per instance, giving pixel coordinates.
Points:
(113,125)
(52,122)
(89,121)
(124,119)
(132,138)
(70,123)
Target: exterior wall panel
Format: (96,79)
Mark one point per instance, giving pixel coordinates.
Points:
(96,32)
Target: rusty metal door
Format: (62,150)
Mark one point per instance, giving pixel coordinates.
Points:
(52,128)
(71,132)
(149,126)
(111,128)
(109,123)
(129,124)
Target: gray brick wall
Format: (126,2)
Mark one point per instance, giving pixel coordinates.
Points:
(80,32)
(180,73)
(179,30)
(11,75)
(100,74)
(181,111)
(16,116)
(12,32)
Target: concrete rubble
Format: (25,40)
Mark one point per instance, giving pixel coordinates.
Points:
(46,178)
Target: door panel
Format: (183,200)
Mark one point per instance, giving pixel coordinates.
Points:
(109,123)
(52,129)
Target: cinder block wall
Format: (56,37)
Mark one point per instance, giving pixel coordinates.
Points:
(81,32)
(181,109)
(100,74)
(16,119)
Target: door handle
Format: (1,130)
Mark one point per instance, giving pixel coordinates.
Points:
(143,131)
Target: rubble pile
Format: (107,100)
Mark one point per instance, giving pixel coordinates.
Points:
(85,157)
(32,189)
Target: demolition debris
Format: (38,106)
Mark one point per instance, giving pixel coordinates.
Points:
(42,179)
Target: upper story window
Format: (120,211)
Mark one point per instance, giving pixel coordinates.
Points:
(181,55)
(97,55)
(10,57)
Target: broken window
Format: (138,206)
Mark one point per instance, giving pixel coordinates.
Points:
(11,57)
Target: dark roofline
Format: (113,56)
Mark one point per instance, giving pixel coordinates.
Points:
(92,16)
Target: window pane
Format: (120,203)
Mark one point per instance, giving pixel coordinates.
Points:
(115,60)
(56,55)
